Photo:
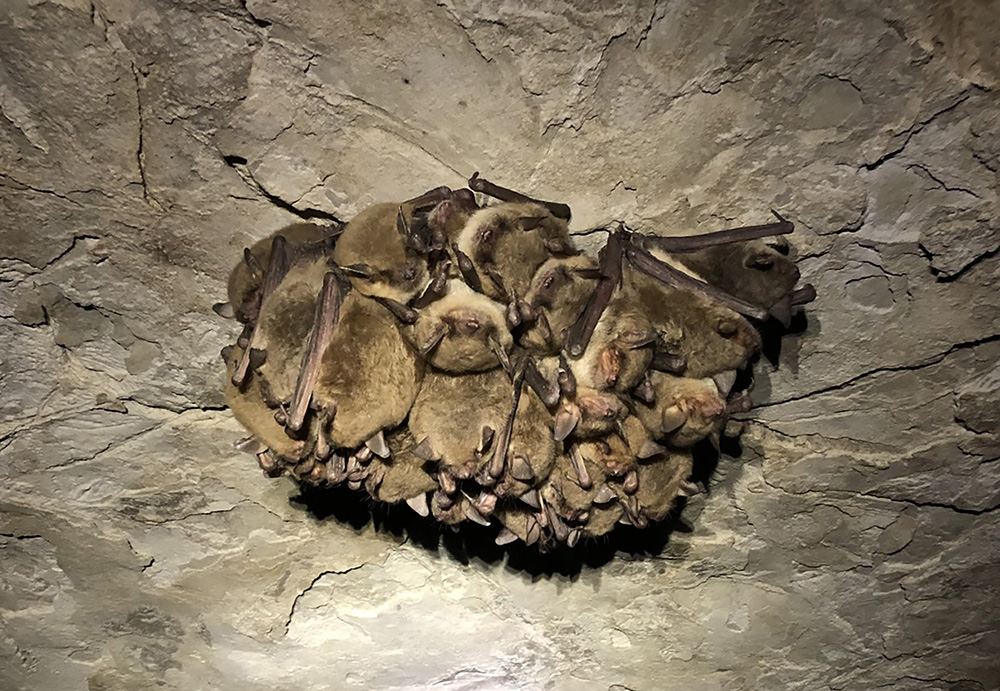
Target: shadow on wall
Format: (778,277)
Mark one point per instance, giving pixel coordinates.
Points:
(476,543)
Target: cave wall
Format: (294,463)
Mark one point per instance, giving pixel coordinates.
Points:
(853,544)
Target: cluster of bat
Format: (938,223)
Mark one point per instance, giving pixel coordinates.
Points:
(470,362)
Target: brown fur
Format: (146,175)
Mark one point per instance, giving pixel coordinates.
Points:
(610,453)
(712,338)
(561,294)
(750,270)
(603,519)
(471,319)
(286,319)
(698,402)
(372,238)
(659,482)
(367,371)
(403,475)
(609,363)
(252,412)
(563,489)
(242,285)
(495,238)
(450,413)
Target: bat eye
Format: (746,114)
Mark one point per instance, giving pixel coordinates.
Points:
(409,273)
(726,328)
(761,262)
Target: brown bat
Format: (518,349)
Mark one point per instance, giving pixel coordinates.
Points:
(252,411)
(246,278)
(620,349)
(659,486)
(558,293)
(470,424)
(463,331)
(368,377)
(738,262)
(686,410)
(510,241)
(703,337)
(401,476)
(383,244)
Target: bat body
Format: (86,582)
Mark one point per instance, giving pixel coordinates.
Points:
(559,290)
(368,375)
(512,240)
(462,421)
(620,349)
(373,239)
(246,277)
(464,331)
(686,410)
(401,476)
(250,408)
(749,270)
(709,337)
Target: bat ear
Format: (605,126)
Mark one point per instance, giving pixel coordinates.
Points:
(566,421)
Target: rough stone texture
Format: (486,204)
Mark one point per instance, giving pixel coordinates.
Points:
(852,545)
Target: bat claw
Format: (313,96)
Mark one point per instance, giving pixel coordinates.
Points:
(473,514)
(673,417)
(248,445)
(433,340)
(605,495)
(803,295)
(650,449)
(447,482)
(690,489)
(486,439)
(631,483)
(566,421)
(579,467)
(724,381)
(530,498)
(424,451)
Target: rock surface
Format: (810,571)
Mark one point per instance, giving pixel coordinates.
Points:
(853,544)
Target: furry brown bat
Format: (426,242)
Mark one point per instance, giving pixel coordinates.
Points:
(659,486)
(246,277)
(511,240)
(401,476)
(741,264)
(463,331)
(620,349)
(460,423)
(368,376)
(250,408)
(708,338)
(686,410)
(558,294)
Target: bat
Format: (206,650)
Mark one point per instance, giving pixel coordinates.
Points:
(469,362)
